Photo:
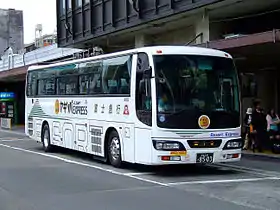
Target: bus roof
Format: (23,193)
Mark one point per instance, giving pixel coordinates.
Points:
(154,50)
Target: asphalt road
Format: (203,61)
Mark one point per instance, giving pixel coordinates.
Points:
(65,180)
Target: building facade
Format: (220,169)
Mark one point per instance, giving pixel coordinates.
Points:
(11,31)
(245,28)
(13,68)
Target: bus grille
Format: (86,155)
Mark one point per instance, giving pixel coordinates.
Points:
(204,143)
(30,126)
(96,141)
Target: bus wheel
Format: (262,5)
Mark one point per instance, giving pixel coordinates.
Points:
(114,149)
(46,138)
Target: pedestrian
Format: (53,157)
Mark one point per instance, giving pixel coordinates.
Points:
(247,123)
(259,125)
(273,122)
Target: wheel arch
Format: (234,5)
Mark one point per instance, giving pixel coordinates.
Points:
(106,140)
(45,122)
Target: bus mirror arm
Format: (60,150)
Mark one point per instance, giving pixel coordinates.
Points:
(148,73)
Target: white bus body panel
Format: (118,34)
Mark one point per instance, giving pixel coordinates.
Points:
(84,133)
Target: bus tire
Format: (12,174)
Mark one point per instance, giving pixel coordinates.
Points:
(46,138)
(114,149)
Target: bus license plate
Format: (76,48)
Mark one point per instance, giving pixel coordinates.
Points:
(204,158)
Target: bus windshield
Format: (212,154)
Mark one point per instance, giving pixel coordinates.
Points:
(188,86)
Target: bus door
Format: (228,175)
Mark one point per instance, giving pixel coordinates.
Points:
(128,145)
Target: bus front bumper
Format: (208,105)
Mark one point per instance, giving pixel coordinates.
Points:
(196,156)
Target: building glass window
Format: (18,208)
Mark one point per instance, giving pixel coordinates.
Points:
(69,4)
(78,3)
(249,86)
(62,7)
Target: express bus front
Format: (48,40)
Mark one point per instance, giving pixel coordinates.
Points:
(194,106)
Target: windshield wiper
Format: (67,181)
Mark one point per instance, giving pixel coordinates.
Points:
(182,110)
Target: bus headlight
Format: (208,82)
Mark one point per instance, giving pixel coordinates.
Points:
(234,144)
(168,145)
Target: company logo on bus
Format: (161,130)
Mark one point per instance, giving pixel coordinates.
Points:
(204,121)
(126,110)
(70,107)
(56,107)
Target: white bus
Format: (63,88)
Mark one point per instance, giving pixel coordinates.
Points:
(152,105)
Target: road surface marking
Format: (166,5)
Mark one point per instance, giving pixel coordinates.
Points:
(84,164)
(7,138)
(11,140)
(139,173)
(249,170)
(223,181)
(128,189)
(230,200)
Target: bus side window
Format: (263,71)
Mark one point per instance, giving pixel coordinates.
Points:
(116,75)
(31,86)
(46,83)
(143,91)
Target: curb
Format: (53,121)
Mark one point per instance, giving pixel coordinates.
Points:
(267,157)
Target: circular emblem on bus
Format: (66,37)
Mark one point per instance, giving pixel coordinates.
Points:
(56,107)
(162,118)
(204,121)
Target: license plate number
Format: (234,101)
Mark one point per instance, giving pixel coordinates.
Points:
(204,158)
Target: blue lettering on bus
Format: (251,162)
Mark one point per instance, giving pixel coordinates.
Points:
(225,134)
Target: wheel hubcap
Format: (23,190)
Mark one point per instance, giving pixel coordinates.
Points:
(46,138)
(115,148)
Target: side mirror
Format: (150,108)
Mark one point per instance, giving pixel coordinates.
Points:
(147,73)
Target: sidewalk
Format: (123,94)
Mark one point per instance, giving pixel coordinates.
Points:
(265,155)
(15,130)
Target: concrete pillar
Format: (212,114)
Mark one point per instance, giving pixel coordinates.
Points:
(140,40)
(202,26)
(266,88)
(276,86)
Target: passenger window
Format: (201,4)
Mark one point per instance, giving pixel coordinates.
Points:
(46,82)
(89,81)
(143,91)
(68,80)
(67,85)
(46,87)
(84,84)
(95,84)
(116,75)
(31,83)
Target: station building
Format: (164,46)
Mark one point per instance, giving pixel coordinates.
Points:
(247,29)
(13,68)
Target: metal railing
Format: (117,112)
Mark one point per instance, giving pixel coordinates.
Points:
(40,55)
